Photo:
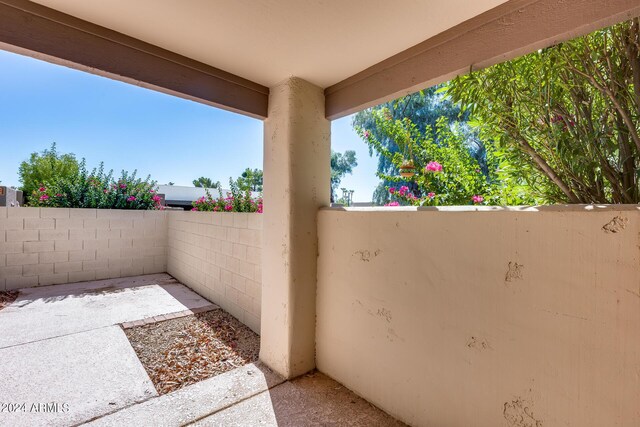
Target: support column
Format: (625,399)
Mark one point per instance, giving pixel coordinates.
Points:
(297,168)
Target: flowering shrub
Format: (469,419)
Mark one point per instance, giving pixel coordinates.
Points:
(97,190)
(444,172)
(433,167)
(405,195)
(236,201)
(477,199)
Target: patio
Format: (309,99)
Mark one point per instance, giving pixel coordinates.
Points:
(63,349)
(507,315)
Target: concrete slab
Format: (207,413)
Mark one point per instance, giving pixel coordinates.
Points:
(71,379)
(64,360)
(54,311)
(311,400)
(257,411)
(196,401)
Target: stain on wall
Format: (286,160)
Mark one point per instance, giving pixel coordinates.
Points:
(385,314)
(616,225)
(518,413)
(479,344)
(514,272)
(366,255)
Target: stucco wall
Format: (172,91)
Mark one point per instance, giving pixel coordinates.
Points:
(46,246)
(219,255)
(500,317)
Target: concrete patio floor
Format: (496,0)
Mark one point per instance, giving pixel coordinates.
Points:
(63,355)
(53,311)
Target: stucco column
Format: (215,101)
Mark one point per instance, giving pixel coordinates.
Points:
(297,165)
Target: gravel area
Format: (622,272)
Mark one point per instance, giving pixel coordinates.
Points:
(7,298)
(183,351)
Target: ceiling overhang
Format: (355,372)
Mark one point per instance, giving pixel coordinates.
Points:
(45,33)
(510,29)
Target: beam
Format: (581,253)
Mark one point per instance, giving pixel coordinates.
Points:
(38,31)
(512,29)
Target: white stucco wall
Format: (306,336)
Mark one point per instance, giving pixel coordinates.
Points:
(497,317)
(46,246)
(219,255)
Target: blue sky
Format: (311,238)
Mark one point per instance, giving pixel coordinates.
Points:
(129,128)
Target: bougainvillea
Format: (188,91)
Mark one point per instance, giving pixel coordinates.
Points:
(97,189)
(234,201)
(444,173)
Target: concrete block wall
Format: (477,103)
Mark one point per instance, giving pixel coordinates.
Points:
(219,255)
(484,317)
(47,246)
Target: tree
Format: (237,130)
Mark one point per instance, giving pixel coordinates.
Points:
(444,170)
(203,182)
(423,109)
(45,167)
(250,179)
(341,164)
(565,120)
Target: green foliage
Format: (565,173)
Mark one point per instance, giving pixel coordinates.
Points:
(251,179)
(341,164)
(203,182)
(564,120)
(238,200)
(44,167)
(96,189)
(446,172)
(423,109)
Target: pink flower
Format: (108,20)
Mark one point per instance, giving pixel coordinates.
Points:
(431,195)
(392,190)
(123,185)
(152,191)
(216,209)
(106,191)
(58,195)
(131,199)
(194,209)
(433,167)
(404,190)
(367,134)
(228,207)
(42,189)
(44,197)
(157,198)
(393,204)
(477,199)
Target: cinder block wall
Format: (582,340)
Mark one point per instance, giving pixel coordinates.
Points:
(46,246)
(501,317)
(219,256)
